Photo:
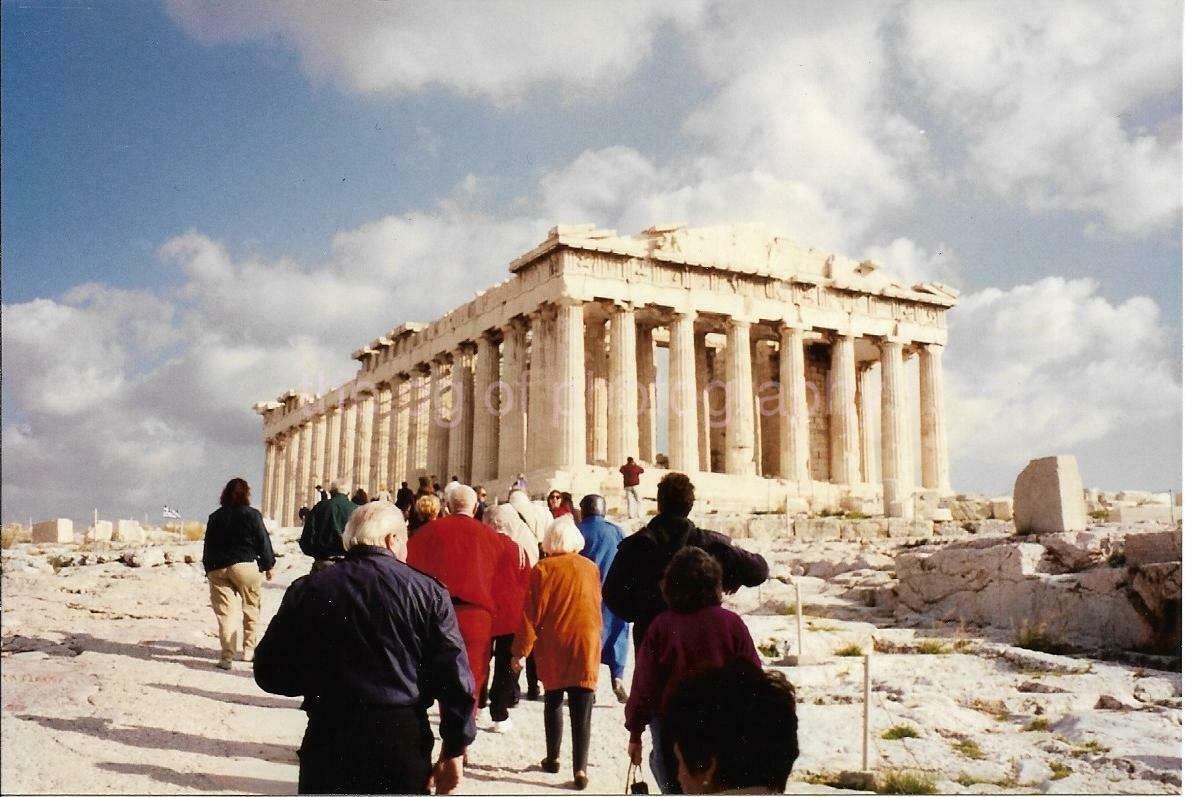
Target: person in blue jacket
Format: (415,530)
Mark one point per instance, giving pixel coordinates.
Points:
(601,539)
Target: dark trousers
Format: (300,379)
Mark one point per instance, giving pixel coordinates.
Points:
(502,690)
(580,704)
(532,674)
(396,757)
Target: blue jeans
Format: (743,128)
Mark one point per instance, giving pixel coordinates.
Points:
(662,762)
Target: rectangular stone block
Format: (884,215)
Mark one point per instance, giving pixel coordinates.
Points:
(1002,508)
(100,532)
(1135,514)
(797,506)
(127,531)
(1155,546)
(1048,496)
(58,530)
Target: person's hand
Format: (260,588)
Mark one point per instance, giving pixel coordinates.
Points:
(635,752)
(516,666)
(268,574)
(446,775)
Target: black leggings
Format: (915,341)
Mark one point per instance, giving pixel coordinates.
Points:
(505,683)
(580,704)
(333,762)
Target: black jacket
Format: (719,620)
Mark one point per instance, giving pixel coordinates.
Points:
(236,534)
(631,589)
(321,537)
(370,631)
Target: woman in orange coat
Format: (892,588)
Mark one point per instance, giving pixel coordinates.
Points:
(562,625)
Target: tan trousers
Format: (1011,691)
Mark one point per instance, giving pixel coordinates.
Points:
(243,580)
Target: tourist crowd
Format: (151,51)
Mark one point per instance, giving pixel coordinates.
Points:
(442,596)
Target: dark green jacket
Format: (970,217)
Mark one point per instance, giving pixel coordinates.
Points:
(323,527)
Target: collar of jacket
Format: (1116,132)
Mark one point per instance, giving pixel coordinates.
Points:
(369,550)
(670,528)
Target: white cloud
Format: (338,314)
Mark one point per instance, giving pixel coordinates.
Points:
(1049,367)
(908,261)
(495,50)
(1047,98)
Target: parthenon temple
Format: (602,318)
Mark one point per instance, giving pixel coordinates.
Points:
(765,370)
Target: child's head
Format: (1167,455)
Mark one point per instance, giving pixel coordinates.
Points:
(692,580)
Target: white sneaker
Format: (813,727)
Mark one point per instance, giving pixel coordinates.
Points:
(483,715)
(505,726)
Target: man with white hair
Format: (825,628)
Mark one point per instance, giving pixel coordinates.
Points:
(477,566)
(321,537)
(370,644)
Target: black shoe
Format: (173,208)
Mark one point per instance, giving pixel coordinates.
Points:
(550,766)
(580,781)
(533,693)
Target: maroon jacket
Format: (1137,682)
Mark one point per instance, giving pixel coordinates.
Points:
(630,472)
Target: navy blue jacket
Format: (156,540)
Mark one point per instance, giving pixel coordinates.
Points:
(370,631)
(236,534)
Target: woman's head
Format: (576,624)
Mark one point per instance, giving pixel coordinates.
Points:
(733,727)
(562,536)
(236,493)
(428,507)
(554,499)
(692,580)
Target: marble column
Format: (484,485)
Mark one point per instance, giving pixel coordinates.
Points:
(683,419)
(380,475)
(739,434)
(317,454)
(418,423)
(597,400)
(512,402)
(935,463)
(363,431)
(349,426)
(867,375)
(269,473)
(439,415)
(292,478)
(486,404)
(460,439)
(540,425)
(280,481)
(765,403)
(896,438)
(647,396)
(795,453)
(703,376)
(845,431)
(569,384)
(397,431)
(623,387)
(333,431)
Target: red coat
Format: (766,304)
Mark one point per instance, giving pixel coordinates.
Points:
(469,558)
(510,611)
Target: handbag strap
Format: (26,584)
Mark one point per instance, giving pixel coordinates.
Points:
(631,776)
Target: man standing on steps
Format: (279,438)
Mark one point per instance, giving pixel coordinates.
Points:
(630,472)
(601,539)
(321,537)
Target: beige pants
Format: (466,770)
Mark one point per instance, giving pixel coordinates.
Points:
(243,580)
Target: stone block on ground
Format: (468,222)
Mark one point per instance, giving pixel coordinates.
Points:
(58,530)
(1048,496)
(1154,546)
(1002,507)
(99,532)
(127,531)
(1128,513)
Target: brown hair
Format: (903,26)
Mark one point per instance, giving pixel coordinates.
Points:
(676,495)
(692,580)
(236,493)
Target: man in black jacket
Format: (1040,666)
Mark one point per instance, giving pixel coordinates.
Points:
(321,537)
(370,644)
(631,589)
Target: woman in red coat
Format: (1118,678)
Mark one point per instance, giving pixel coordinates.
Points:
(561,623)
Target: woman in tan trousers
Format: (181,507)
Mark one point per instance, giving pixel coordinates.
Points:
(236,554)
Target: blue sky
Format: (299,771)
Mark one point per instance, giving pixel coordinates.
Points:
(205,205)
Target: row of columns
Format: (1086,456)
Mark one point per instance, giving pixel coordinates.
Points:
(515,401)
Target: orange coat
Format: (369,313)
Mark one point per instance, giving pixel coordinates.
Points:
(562,622)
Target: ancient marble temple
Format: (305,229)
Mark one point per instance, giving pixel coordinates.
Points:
(784,378)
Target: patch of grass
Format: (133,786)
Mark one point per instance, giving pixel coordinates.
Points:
(193,531)
(1036,636)
(769,649)
(1092,747)
(1059,770)
(855,516)
(968,748)
(1117,559)
(1039,724)
(967,780)
(902,782)
(850,650)
(830,513)
(995,708)
(820,779)
(932,647)
(901,732)
(789,609)
(1099,514)
(813,626)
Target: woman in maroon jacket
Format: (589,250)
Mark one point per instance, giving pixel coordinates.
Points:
(694,634)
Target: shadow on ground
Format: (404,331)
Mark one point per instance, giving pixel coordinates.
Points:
(203,781)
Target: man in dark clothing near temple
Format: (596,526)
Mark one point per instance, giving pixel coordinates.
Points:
(370,644)
(631,589)
(631,473)
(404,498)
(321,537)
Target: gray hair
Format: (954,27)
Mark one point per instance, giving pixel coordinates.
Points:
(461,499)
(562,536)
(340,485)
(371,523)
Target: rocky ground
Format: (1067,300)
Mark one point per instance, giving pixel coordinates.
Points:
(109,685)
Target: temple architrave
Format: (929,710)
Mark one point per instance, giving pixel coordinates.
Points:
(784,380)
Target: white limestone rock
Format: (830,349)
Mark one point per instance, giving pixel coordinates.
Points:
(1138,513)
(58,530)
(127,531)
(1048,496)
(1002,507)
(1148,547)
(100,532)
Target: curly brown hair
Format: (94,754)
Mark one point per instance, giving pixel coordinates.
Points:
(692,580)
(676,495)
(236,493)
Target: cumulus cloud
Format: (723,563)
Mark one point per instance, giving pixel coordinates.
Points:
(911,263)
(1049,367)
(1053,100)
(493,50)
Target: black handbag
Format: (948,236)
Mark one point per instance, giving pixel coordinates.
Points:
(633,783)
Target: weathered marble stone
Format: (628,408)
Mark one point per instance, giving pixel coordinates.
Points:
(1156,546)
(1002,508)
(1048,496)
(100,532)
(59,530)
(1128,513)
(127,531)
